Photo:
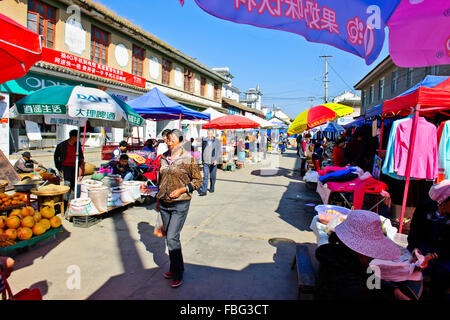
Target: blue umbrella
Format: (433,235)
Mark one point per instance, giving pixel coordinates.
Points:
(155,105)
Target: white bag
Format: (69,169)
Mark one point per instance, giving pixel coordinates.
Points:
(114,197)
(99,197)
(82,207)
(134,188)
(125,195)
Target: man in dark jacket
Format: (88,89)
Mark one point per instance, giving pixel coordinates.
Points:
(211,154)
(122,168)
(65,157)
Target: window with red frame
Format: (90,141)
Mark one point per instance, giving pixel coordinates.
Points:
(188,80)
(166,68)
(203,86)
(217,91)
(41,18)
(138,60)
(99,46)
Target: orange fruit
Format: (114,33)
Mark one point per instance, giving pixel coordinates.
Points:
(13,222)
(17,213)
(27,211)
(24,233)
(38,229)
(55,222)
(37,216)
(11,234)
(48,212)
(28,222)
(45,223)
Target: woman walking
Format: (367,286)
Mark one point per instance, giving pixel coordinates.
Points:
(179,176)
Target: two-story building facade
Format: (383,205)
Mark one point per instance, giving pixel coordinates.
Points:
(387,81)
(84,43)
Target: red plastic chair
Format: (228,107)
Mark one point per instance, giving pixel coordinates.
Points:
(25,294)
(153,169)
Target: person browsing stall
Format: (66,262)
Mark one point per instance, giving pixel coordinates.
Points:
(179,177)
(338,152)
(122,168)
(26,164)
(429,234)
(65,158)
(344,261)
(211,154)
(121,149)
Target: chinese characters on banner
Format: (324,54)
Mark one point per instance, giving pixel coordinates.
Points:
(356,26)
(77,63)
(42,109)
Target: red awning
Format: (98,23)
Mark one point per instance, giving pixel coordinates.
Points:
(20,49)
(431,100)
(231,122)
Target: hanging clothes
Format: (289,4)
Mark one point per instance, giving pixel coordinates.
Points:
(444,149)
(388,165)
(424,163)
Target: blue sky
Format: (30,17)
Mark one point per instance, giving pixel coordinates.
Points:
(285,66)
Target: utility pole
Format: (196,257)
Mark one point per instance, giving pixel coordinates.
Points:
(326,76)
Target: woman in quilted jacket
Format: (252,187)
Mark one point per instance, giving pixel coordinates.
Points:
(179,177)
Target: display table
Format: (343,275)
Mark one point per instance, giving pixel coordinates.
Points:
(318,229)
(324,191)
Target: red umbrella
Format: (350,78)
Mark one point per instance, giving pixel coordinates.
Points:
(20,49)
(231,122)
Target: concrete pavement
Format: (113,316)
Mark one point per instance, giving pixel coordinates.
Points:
(238,243)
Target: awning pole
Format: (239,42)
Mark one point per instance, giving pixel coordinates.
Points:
(408,165)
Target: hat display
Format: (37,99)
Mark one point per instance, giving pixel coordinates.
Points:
(26,154)
(362,232)
(440,191)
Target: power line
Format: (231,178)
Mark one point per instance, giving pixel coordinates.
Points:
(351,89)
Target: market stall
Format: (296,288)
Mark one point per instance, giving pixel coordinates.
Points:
(427,101)
(231,122)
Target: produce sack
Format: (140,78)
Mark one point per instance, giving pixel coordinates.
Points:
(99,197)
(112,181)
(82,207)
(125,195)
(114,197)
(86,184)
(134,188)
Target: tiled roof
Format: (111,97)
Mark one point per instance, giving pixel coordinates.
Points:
(241,106)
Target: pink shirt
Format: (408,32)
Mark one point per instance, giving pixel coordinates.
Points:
(425,158)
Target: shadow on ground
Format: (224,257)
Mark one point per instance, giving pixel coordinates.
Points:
(26,256)
(256,281)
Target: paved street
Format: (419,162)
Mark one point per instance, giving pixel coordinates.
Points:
(238,243)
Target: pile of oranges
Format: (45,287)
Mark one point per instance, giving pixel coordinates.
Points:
(22,224)
(16,198)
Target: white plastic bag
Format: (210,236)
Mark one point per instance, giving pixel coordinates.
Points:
(159,226)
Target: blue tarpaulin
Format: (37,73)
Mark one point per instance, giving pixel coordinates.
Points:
(333,127)
(156,105)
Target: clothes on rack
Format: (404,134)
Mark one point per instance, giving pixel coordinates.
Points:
(388,165)
(444,149)
(424,163)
